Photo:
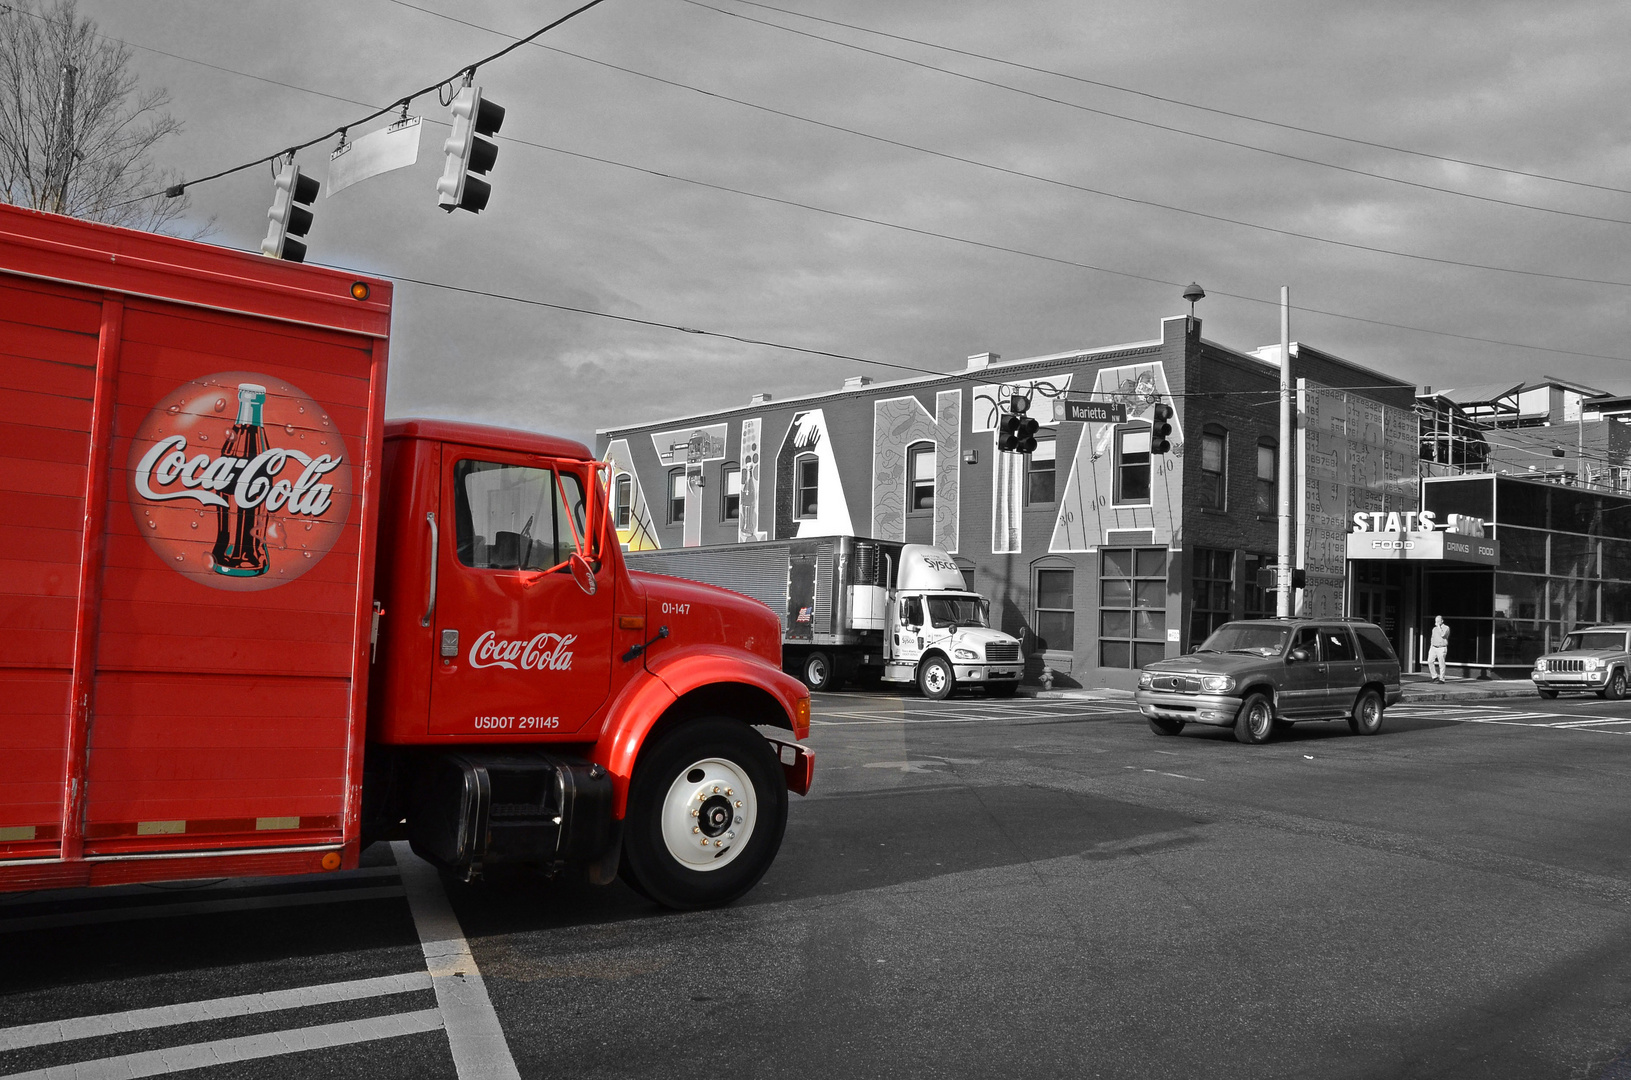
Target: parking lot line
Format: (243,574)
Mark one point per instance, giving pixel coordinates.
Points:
(245,1048)
(190,1012)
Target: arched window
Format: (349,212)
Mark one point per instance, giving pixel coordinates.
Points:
(920,476)
(806,486)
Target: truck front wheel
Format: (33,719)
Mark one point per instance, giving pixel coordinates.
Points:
(707,808)
(935,678)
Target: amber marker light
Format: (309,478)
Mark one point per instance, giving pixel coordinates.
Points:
(331,861)
(359,290)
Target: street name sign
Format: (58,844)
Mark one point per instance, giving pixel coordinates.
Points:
(1076,410)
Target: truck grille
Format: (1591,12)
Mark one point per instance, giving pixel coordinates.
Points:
(1182,684)
(997,652)
(1566,665)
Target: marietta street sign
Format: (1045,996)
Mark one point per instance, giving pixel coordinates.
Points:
(1080,411)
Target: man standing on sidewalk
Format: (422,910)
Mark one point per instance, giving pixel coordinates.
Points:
(1438,646)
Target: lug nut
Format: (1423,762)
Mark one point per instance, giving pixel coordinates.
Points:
(716,789)
(738,802)
(719,843)
(695,829)
(728,792)
(704,841)
(738,819)
(693,813)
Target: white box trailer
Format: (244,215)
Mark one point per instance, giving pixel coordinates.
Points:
(858,608)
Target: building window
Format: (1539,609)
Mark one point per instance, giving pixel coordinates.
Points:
(920,469)
(1039,470)
(676,496)
(1132,465)
(1132,606)
(806,486)
(1214,458)
(1212,592)
(1268,477)
(1055,610)
(624,504)
(730,487)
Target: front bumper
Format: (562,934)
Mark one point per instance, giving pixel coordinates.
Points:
(987,673)
(1569,680)
(1219,710)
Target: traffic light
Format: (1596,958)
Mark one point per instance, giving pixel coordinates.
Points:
(290,215)
(470,149)
(1161,429)
(1008,434)
(1025,436)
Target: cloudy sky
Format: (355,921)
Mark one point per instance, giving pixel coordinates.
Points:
(1024,178)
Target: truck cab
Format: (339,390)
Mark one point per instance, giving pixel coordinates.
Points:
(535,701)
(939,634)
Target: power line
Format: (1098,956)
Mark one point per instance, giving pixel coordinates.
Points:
(1186,104)
(918,231)
(1349,244)
(467,70)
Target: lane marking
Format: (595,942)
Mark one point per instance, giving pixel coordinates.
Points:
(245,1048)
(1174,775)
(196,907)
(190,1012)
(466,1012)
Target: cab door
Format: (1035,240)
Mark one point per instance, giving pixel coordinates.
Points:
(1304,691)
(906,628)
(521,649)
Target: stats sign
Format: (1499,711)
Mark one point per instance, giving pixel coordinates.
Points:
(1418,537)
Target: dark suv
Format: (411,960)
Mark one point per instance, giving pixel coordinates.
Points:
(1258,674)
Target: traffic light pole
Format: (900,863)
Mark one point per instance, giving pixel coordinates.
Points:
(1282,594)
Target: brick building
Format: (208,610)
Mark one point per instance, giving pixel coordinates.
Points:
(1099,555)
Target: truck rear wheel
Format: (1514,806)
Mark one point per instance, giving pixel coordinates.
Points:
(935,678)
(707,809)
(818,672)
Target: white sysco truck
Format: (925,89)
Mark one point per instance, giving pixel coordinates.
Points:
(862,609)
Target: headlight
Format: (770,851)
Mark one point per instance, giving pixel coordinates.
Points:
(1145,680)
(1540,665)
(1594,663)
(965,654)
(1217,684)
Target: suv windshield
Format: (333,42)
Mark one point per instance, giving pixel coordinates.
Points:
(1246,637)
(957,610)
(1588,640)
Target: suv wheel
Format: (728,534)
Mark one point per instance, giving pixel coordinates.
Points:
(1255,722)
(1366,718)
(1163,726)
(1546,692)
(1615,690)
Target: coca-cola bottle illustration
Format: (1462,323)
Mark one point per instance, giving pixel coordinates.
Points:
(240,538)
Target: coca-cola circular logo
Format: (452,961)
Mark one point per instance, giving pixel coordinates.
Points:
(240,481)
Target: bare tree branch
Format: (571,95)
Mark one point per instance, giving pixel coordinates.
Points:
(114,127)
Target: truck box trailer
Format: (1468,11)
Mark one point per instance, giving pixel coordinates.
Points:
(251,627)
(858,608)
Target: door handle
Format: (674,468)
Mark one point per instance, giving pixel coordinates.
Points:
(435,546)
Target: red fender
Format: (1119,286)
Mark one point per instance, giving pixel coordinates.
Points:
(675,674)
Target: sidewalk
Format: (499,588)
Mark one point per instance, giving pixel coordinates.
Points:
(1417,688)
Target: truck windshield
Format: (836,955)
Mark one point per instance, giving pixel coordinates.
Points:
(957,611)
(1589,640)
(1245,637)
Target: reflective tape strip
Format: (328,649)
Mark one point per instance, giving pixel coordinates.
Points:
(12,833)
(160,828)
(263,823)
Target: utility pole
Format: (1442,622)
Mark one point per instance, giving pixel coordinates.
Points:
(61,160)
(1282,597)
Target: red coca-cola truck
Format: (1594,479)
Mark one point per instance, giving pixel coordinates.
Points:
(250,627)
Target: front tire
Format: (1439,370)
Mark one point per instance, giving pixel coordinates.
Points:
(818,672)
(707,809)
(1546,692)
(1366,718)
(1615,690)
(1163,726)
(1254,723)
(935,679)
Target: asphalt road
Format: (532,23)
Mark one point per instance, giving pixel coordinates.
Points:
(974,888)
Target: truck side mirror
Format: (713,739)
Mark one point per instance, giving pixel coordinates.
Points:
(1301,656)
(583,573)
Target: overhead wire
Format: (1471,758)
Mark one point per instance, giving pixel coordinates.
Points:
(885,223)
(1427,155)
